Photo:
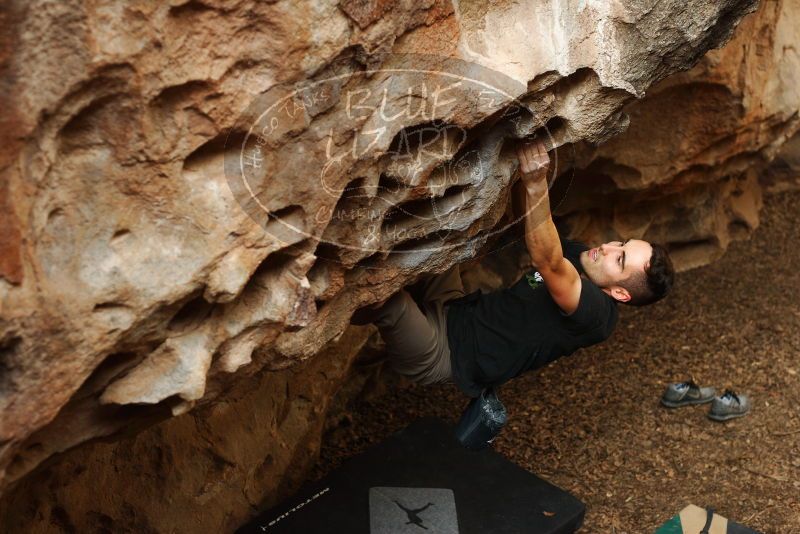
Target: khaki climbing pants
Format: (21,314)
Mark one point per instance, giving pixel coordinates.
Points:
(416,339)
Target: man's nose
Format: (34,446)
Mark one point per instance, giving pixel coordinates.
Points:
(605,248)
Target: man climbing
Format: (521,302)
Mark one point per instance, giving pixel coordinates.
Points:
(568,301)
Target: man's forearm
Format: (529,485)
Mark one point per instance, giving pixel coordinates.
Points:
(541,236)
(560,277)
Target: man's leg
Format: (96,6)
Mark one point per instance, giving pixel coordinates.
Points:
(443,287)
(416,339)
(411,340)
(436,291)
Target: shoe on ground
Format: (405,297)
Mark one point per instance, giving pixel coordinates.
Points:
(729,406)
(686,394)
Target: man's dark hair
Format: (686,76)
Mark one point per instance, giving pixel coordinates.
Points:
(655,282)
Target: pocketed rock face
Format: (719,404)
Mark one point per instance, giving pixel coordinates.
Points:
(140,277)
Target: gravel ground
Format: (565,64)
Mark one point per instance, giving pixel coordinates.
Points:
(592,424)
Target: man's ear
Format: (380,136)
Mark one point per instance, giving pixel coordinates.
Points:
(618,293)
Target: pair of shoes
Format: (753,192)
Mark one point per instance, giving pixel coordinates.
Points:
(727,406)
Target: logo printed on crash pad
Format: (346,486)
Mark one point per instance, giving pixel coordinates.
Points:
(412,510)
(413,515)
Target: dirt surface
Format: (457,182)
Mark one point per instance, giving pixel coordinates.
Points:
(592,424)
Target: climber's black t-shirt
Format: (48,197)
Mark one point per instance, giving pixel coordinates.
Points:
(496,336)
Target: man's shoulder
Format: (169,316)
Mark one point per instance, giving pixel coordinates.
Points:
(595,294)
(595,308)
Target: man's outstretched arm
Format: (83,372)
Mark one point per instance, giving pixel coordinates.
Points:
(560,276)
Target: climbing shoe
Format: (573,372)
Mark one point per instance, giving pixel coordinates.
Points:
(729,406)
(686,394)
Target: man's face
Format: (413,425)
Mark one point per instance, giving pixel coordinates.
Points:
(611,263)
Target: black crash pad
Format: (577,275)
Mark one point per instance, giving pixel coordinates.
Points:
(421,480)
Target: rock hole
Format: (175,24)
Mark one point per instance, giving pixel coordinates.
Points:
(285,212)
(455,191)
(9,346)
(83,121)
(276,262)
(739,230)
(220,463)
(425,244)
(60,519)
(85,129)
(9,356)
(34,447)
(287,224)
(373,261)
(54,215)
(172,97)
(112,367)
(107,306)
(324,277)
(189,9)
(421,208)
(190,316)
(327,251)
(389,185)
(555,124)
(103,523)
(425,209)
(19,463)
(555,132)
(211,150)
(119,234)
(418,149)
(355,188)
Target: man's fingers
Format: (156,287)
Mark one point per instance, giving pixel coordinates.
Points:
(532,156)
(526,156)
(527,159)
(521,157)
(542,157)
(541,150)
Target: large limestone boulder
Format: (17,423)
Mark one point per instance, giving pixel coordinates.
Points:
(167,242)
